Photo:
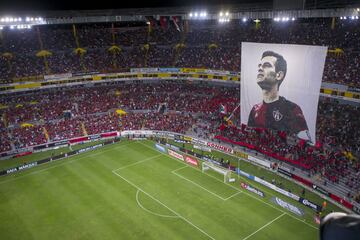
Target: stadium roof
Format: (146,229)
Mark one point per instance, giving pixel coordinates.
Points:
(66,8)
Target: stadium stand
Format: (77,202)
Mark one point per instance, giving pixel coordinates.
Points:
(191,107)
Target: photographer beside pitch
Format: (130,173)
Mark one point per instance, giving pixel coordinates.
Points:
(275,111)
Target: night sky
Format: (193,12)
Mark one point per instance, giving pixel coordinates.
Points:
(21,5)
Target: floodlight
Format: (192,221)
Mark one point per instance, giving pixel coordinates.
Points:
(244,19)
(190,15)
(221,14)
(227,14)
(11,27)
(356,17)
(1,27)
(195,14)
(27,19)
(293,19)
(352,17)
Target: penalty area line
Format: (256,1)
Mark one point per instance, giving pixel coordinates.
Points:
(158,201)
(149,211)
(264,226)
(198,185)
(138,162)
(248,194)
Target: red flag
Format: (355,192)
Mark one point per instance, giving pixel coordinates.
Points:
(164,20)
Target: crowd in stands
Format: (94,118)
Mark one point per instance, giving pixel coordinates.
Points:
(77,111)
(4,138)
(28,136)
(203,45)
(92,109)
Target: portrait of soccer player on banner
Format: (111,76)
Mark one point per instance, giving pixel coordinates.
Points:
(280,87)
(275,111)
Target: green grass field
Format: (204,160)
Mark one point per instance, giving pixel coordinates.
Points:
(129,190)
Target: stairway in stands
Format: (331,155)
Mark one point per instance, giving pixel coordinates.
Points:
(83,129)
(46,134)
(4,120)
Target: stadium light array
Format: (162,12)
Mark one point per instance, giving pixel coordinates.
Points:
(198,15)
(9,20)
(351,18)
(283,19)
(224,20)
(224,17)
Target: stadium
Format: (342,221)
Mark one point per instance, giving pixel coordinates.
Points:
(234,121)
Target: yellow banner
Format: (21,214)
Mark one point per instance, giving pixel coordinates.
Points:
(197,70)
(241,154)
(96,78)
(24,125)
(28,85)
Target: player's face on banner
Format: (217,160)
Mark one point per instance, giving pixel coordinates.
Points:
(266,77)
(294,108)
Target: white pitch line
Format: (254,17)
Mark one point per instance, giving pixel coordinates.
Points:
(248,194)
(207,190)
(264,226)
(58,165)
(232,196)
(155,199)
(151,212)
(186,165)
(136,163)
(178,169)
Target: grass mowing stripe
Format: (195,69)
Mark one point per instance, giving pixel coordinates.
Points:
(264,226)
(155,199)
(58,165)
(243,192)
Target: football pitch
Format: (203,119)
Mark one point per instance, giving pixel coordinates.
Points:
(129,190)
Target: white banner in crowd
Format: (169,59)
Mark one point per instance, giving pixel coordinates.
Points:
(280,86)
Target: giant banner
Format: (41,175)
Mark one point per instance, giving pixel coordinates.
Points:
(280,86)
